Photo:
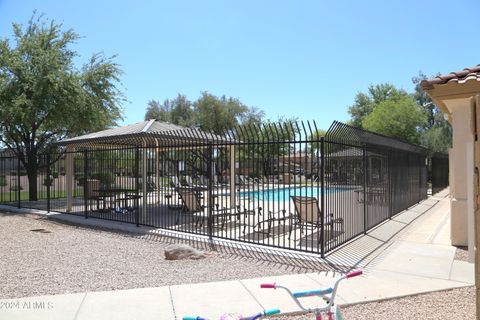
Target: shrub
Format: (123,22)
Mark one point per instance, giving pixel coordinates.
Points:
(48,181)
(16,188)
(107,179)
(3,181)
(79,176)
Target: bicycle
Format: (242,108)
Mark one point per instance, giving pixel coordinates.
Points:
(238,317)
(327,294)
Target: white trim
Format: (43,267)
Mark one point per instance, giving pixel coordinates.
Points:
(148,125)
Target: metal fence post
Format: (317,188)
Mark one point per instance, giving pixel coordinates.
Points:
(210,191)
(365,196)
(322,194)
(48,181)
(85,183)
(137,186)
(18,183)
(390,184)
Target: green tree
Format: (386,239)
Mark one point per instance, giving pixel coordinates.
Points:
(315,139)
(400,118)
(44,97)
(262,153)
(218,114)
(437,133)
(437,138)
(365,103)
(423,100)
(182,112)
(177,111)
(157,111)
(209,112)
(252,116)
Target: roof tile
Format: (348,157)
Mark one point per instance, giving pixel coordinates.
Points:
(461,76)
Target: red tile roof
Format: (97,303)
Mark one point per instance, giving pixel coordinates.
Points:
(461,76)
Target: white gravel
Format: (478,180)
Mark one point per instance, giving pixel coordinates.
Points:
(67,258)
(451,304)
(64,258)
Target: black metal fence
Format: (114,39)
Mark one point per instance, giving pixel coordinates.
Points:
(274,185)
(439,169)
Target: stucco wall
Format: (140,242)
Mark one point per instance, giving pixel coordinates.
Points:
(461,168)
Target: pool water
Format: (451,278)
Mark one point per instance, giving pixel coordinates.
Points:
(282,194)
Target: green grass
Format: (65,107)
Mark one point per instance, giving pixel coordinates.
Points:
(42,195)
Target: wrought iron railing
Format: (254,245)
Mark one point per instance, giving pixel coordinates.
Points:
(277,185)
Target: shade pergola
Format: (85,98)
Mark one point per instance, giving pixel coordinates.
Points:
(150,133)
(146,135)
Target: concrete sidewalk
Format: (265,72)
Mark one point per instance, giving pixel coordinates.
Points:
(406,255)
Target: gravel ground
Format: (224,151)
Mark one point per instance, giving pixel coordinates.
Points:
(60,258)
(461,254)
(451,304)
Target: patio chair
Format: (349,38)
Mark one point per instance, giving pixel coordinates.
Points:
(309,215)
(271,179)
(190,201)
(193,205)
(189,181)
(151,185)
(92,194)
(272,218)
(175,182)
(246,180)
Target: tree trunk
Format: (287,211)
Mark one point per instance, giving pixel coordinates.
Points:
(32,185)
(32,172)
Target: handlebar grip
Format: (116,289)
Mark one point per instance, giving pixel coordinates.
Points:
(271,311)
(354,273)
(318,292)
(268,285)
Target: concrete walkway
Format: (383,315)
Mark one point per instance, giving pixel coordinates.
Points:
(406,255)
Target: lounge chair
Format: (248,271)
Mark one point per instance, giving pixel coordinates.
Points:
(191,204)
(189,181)
(151,185)
(175,182)
(309,215)
(271,179)
(246,180)
(272,218)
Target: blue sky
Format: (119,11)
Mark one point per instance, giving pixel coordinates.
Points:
(304,59)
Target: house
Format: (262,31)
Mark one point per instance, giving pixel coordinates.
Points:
(457,96)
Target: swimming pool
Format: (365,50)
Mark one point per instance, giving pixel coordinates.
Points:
(282,194)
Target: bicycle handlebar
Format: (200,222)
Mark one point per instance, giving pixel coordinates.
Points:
(318,292)
(271,311)
(268,312)
(354,274)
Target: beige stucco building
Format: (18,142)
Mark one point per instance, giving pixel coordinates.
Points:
(454,93)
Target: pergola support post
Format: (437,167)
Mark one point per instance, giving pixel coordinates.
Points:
(157,171)
(232,178)
(144,181)
(69,177)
